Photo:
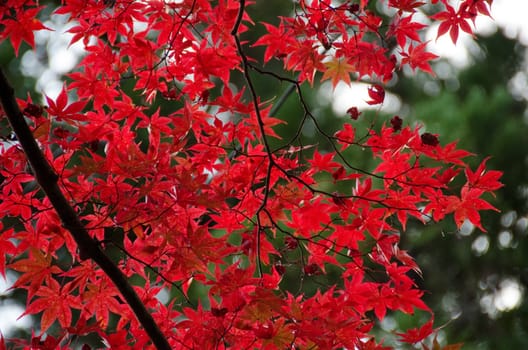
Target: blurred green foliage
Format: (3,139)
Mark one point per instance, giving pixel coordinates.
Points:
(466,278)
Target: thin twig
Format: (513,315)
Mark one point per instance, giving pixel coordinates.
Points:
(260,121)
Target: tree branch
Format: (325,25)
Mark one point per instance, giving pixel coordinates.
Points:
(88,247)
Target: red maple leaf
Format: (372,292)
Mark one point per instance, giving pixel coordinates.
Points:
(21,27)
(406,5)
(483,179)
(277,41)
(56,303)
(418,57)
(61,109)
(6,247)
(34,269)
(416,335)
(345,136)
(451,21)
(403,28)
(469,207)
(376,94)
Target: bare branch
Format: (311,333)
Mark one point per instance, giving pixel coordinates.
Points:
(88,247)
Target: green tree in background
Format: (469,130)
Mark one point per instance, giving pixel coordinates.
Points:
(479,107)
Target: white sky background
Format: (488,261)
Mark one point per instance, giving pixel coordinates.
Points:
(510,15)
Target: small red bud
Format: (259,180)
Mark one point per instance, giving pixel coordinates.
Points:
(353,112)
(281,270)
(291,243)
(33,110)
(170,95)
(338,199)
(429,139)
(205,96)
(94,145)
(218,312)
(339,173)
(60,133)
(396,123)
(353,8)
(311,269)
(246,245)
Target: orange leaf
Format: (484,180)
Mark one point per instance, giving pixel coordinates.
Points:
(337,69)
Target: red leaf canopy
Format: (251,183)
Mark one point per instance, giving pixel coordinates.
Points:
(179,171)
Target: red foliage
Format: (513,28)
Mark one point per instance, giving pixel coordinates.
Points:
(196,197)
(416,335)
(418,57)
(376,94)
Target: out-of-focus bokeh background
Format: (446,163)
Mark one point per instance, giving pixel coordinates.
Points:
(476,282)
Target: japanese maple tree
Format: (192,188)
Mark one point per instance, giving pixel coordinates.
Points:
(109,200)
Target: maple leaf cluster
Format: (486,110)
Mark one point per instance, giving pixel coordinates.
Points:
(185,198)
